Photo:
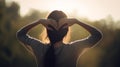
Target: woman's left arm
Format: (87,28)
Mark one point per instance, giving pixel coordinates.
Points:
(24,37)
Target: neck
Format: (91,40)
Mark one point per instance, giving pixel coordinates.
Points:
(57,44)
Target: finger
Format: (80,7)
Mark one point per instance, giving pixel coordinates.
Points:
(51,27)
(64,26)
(53,24)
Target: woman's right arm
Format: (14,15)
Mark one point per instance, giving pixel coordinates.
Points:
(93,38)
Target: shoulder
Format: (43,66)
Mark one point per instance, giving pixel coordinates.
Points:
(37,44)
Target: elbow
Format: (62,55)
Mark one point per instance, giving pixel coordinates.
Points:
(95,38)
(19,35)
(98,36)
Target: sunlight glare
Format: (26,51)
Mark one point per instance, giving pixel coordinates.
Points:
(72,8)
(96,9)
(63,5)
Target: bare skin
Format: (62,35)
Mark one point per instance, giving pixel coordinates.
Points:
(68,22)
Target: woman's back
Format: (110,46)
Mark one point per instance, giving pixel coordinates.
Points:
(66,55)
(56,53)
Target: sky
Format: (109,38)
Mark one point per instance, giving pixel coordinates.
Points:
(92,9)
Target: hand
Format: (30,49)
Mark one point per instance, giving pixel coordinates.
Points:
(71,22)
(48,23)
(66,22)
(44,22)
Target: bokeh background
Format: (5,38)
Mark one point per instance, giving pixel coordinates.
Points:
(13,53)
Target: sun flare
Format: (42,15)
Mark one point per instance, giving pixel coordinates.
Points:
(94,10)
(70,7)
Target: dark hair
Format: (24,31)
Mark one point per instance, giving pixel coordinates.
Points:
(54,36)
(57,15)
(57,35)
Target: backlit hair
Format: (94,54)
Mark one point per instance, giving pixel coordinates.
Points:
(55,15)
(45,39)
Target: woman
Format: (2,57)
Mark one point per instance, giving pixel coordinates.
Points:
(57,53)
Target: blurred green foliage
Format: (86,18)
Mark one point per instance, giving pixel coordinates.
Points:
(13,54)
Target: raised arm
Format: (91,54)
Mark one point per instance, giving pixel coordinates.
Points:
(24,37)
(93,38)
